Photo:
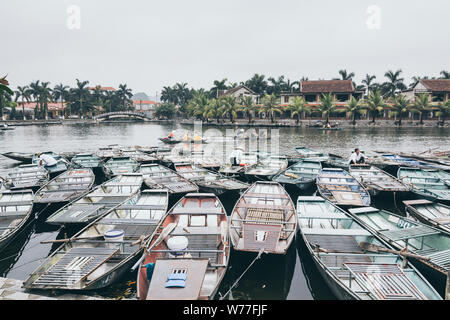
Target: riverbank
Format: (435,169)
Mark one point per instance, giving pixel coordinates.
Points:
(380,123)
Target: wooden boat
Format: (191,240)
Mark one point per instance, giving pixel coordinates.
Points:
(335,161)
(97,202)
(157,176)
(170,141)
(248,160)
(208,181)
(19,156)
(107,152)
(92,259)
(424,184)
(376,180)
(303,174)
(337,245)
(307,152)
(55,169)
(267,167)
(432,213)
(263,219)
(120,165)
(139,156)
(27,176)
(66,187)
(409,162)
(430,245)
(339,187)
(86,160)
(15,210)
(194,269)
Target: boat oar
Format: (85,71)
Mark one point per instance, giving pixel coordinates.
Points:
(69,239)
(166,231)
(366,246)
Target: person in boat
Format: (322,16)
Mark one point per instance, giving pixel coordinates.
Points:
(170,136)
(236,157)
(328,125)
(357,157)
(46,160)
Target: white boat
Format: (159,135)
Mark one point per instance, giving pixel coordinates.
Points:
(27,176)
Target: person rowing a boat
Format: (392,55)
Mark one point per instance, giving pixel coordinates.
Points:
(357,157)
(236,156)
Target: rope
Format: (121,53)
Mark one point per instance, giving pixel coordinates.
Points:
(239,278)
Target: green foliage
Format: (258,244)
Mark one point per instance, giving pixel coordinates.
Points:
(271,106)
(298,107)
(165,110)
(375,103)
(421,105)
(327,106)
(354,107)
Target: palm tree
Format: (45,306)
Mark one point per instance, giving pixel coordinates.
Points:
(401,105)
(276,85)
(247,106)
(197,106)
(444,111)
(257,83)
(24,93)
(213,110)
(394,83)
(45,96)
(5,93)
(228,107)
(327,106)
(80,95)
(298,107)
(445,74)
(109,98)
(169,94)
(218,85)
(271,106)
(375,103)
(124,94)
(345,75)
(354,107)
(35,92)
(98,95)
(368,82)
(60,92)
(421,105)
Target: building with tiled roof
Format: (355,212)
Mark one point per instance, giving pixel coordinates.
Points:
(239,92)
(439,89)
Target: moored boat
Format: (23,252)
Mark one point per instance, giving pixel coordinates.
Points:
(430,245)
(339,187)
(120,165)
(66,187)
(157,176)
(188,255)
(107,153)
(424,184)
(112,244)
(86,160)
(354,262)
(432,213)
(409,162)
(248,160)
(303,174)
(19,156)
(15,210)
(139,156)
(267,167)
(27,176)
(263,219)
(208,181)
(376,180)
(97,202)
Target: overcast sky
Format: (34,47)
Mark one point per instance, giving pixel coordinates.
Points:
(151,44)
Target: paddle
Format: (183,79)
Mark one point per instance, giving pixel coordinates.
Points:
(69,239)
(166,231)
(366,246)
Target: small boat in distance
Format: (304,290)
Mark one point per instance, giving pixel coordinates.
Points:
(6,127)
(424,184)
(66,187)
(86,160)
(430,245)
(339,187)
(354,262)
(19,156)
(157,176)
(376,180)
(188,256)
(15,210)
(303,174)
(120,165)
(99,201)
(432,213)
(263,219)
(208,181)
(101,253)
(27,176)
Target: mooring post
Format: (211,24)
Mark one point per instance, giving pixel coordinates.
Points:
(447,287)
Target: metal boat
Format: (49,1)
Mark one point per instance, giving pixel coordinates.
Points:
(157,176)
(303,174)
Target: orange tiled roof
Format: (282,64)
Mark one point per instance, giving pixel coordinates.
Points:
(325,86)
(138,102)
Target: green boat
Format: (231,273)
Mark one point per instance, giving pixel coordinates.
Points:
(303,174)
(432,213)
(120,165)
(425,183)
(56,169)
(86,160)
(403,233)
(338,243)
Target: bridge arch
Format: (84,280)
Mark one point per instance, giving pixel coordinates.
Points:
(122,115)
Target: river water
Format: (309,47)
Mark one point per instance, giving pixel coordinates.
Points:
(272,277)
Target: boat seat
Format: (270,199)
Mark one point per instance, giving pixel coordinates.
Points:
(408,233)
(441,259)
(128,221)
(142,207)
(184,210)
(10,214)
(16,203)
(335,232)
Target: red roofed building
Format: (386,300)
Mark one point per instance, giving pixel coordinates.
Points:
(102,88)
(439,89)
(145,106)
(55,109)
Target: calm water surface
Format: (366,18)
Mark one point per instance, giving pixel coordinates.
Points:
(293,276)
